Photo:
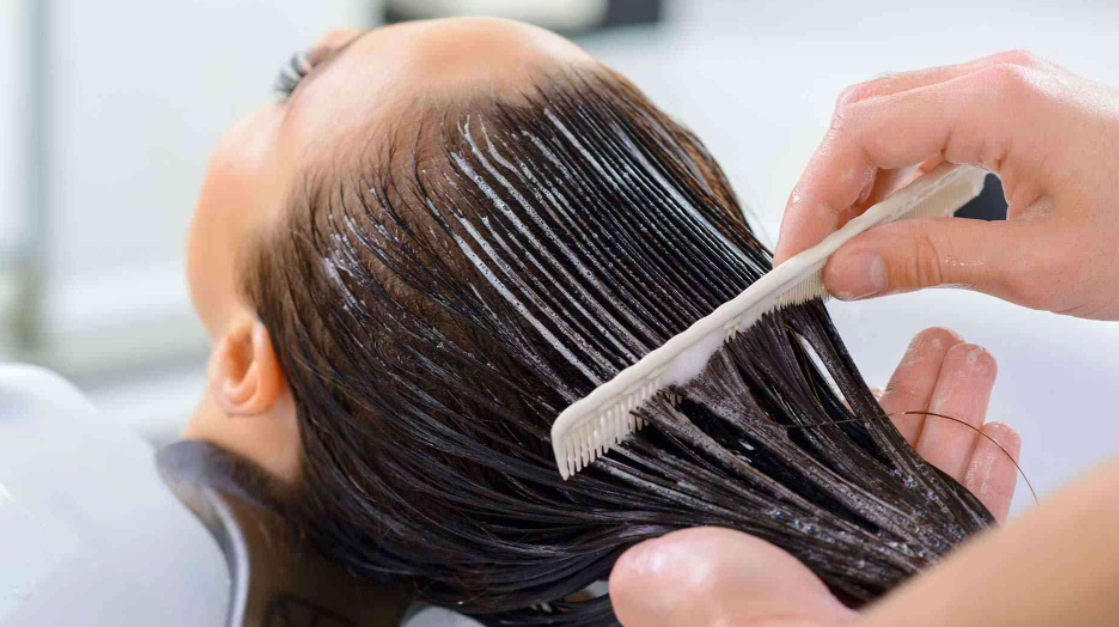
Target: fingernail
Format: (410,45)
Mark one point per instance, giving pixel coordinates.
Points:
(857,277)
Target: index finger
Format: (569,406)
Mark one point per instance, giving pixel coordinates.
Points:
(892,131)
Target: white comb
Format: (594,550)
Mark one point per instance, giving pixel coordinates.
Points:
(591,426)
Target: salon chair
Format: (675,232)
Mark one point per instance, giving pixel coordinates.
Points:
(98,528)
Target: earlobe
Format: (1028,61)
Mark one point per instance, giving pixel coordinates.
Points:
(245,376)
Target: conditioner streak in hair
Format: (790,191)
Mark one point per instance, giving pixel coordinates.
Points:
(435,311)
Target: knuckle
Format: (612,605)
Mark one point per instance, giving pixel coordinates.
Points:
(830,208)
(845,105)
(1009,80)
(1022,57)
(1042,278)
(992,155)
(903,390)
(1020,286)
(855,93)
(838,120)
(925,267)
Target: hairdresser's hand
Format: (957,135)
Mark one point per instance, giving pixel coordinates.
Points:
(707,576)
(1052,137)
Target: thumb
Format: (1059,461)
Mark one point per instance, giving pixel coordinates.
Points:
(708,576)
(1004,259)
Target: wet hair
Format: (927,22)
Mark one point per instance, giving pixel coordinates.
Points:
(485,264)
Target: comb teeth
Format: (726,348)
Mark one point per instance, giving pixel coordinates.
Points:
(808,289)
(593,425)
(596,435)
(599,431)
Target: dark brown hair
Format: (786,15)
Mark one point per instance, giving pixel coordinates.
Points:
(437,305)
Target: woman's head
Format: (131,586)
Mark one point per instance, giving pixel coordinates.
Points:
(359,89)
(439,279)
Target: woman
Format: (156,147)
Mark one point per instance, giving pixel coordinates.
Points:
(447,231)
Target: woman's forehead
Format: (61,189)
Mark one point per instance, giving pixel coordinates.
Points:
(354,102)
(382,73)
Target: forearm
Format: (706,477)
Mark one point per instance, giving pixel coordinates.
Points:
(1057,565)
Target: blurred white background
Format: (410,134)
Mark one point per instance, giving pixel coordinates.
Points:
(108,112)
(112,111)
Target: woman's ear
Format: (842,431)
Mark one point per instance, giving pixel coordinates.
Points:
(245,376)
(249,409)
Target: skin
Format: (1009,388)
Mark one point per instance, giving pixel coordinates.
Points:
(248,409)
(1051,136)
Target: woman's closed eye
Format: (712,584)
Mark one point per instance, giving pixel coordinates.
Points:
(292,72)
(301,64)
